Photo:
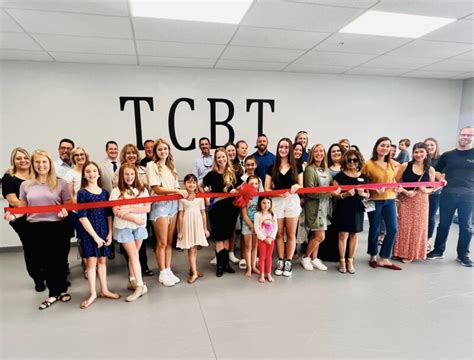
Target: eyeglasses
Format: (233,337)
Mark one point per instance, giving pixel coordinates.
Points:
(80,155)
(353,160)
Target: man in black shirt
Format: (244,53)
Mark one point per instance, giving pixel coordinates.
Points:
(457,168)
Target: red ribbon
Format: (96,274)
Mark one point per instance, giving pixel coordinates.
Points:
(151,199)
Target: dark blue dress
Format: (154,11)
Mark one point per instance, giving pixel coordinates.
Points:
(98,220)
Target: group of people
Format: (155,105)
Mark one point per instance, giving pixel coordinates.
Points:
(404,216)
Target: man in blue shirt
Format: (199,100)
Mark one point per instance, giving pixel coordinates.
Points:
(265,159)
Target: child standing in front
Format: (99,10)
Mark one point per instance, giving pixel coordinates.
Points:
(95,233)
(130,224)
(249,238)
(266,227)
(192,225)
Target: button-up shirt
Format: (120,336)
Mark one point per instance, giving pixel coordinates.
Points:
(202,165)
(61,168)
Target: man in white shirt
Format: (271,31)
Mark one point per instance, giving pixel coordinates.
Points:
(203,164)
(64,163)
(110,165)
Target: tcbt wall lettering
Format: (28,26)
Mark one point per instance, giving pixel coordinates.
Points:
(186,104)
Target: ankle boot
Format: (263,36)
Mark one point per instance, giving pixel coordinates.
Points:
(227,267)
(219,267)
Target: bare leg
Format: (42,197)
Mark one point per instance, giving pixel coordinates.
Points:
(291,224)
(91,264)
(102,274)
(192,254)
(133,258)
(254,254)
(169,242)
(247,251)
(280,244)
(160,226)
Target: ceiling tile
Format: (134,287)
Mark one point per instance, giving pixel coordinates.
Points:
(375,71)
(452,65)
(260,54)
(275,38)
(466,56)
(24,55)
(177,62)
(17,41)
(430,74)
(463,76)
(458,31)
(359,4)
(85,44)
(45,22)
(249,65)
(182,31)
(327,69)
(181,50)
(101,7)
(95,58)
(431,49)
(299,16)
(362,44)
(443,8)
(399,62)
(333,58)
(7,24)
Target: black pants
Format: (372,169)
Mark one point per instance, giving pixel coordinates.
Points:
(52,241)
(31,250)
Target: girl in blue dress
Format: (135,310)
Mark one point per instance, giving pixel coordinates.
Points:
(96,233)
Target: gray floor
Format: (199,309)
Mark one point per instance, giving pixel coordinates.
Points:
(422,312)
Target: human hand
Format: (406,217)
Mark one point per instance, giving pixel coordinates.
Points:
(268,240)
(294,188)
(100,242)
(207,233)
(140,221)
(361,192)
(183,193)
(337,192)
(63,213)
(108,239)
(180,235)
(381,190)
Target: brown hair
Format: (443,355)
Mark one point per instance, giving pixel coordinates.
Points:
(133,148)
(348,154)
(123,186)
(291,161)
(84,181)
(374,150)
(436,154)
(407,142)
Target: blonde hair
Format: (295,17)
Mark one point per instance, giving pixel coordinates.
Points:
(311,159)
(51,179)
(12,169)
(169,160)
(229,173)
(75,150)
(126,148)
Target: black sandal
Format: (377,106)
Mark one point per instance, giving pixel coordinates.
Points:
(149,272)
(46,304)
(64,297)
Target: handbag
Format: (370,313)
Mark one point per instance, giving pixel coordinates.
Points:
(369,205)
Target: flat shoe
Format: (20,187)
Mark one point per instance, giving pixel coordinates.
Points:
(391,266)
(373,264)
(149,272)
(64,297)
(85,304)
(111,297)
(46,304)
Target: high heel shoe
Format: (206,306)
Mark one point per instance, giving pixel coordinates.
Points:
(342,266)
(350,266)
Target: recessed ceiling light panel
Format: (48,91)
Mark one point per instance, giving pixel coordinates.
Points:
(217,11)
(394,24)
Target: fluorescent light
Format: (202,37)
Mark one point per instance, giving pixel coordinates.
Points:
(218,11)
(394,24)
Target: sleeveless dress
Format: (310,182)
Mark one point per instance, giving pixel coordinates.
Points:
(193,229)
(412,235)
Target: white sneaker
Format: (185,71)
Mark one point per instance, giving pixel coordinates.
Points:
(213,261)
(318,264)
(165,278)
(306,263)
(176,279)
(232,258)
(242,264)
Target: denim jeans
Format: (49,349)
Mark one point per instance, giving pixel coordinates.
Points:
(386,210)
(449,203)
(434,206)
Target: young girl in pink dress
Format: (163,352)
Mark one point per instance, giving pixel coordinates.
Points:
(192,225)
(266,227)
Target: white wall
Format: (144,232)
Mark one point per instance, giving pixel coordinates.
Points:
(466,115)
(43,102)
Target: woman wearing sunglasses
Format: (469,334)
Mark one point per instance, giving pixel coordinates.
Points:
(348,216)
